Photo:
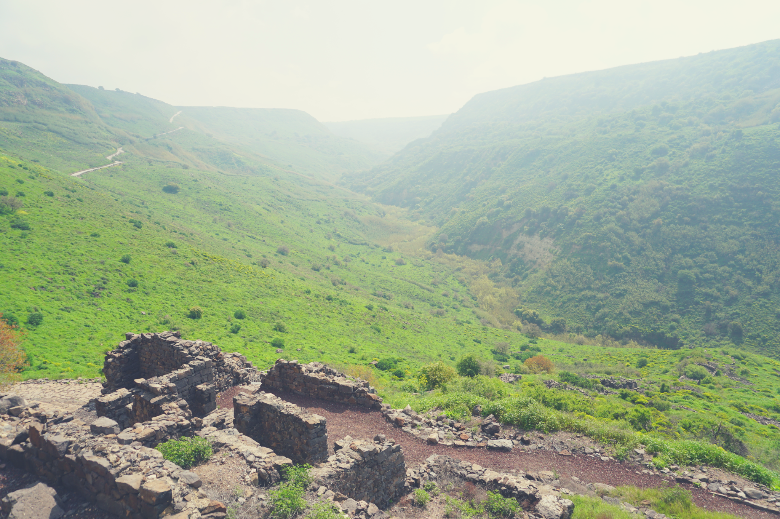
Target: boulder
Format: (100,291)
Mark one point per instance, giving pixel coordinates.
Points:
(37,502)
(553,507)
(754,493)
(9,401)
(104,425)
(501,445)
(190,478)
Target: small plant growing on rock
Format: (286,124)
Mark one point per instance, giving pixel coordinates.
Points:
(196,312)
(421,498)
(186,452)
(287,501)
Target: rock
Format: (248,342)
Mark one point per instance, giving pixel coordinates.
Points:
(214,506)
(130,483)
(156,491)
(190,478)
(501,445)
(552,507)
(372,509)
(16,410)
(602,488)
(433,439)
(9,401)
(37,502)
(350,505)
(753,493)
(104,425)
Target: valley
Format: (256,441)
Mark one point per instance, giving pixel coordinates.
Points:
(609,238)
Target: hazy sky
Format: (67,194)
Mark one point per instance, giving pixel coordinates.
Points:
(358,59)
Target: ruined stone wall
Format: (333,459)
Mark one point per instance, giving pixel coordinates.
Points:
(364,470)
(319,381)
(284,427)
(152,355)
(121,473)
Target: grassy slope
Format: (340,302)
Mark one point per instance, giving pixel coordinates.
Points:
(639,202)
(388,135)
(339,293)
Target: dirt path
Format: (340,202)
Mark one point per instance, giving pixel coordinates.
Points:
(110,157)
(357,422)
(174,116)
(166,133)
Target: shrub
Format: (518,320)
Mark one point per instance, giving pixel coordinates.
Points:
(539,364)
(170,245)
(125,258)
(9,318)
(694,372)
(387,363)
(35,319)
(195,312)
(9,204)
(421,498)
(171,188)
(436,374)
(400,261)
(239,314)
(323,510)
(532,330)
(3,192)
(277,342)
(641,363)
(280,327)
(186,452)
(399,373)
(235,328)
(498,506)
(48,193)
(284,250)
(575,380)
(20,223)
(468,366)
(12,358)
(264,263)
(132,283)
(287,501)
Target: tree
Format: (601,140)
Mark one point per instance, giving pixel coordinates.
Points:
(171,188)
(558,325)
(12,358)
(468,366)
(436,374)
(539,364)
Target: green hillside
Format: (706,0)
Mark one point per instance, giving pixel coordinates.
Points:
(203,232)
(388,135)
(640,202)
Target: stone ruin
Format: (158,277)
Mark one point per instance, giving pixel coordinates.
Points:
(148,374)
(319,381)
(160,387)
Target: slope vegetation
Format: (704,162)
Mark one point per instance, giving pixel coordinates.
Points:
(640,202)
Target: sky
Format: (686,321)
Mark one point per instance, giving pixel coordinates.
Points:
(359,59)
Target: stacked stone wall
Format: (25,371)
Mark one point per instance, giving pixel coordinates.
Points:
(122,473)
(284,427)
(319,381)
(364,470)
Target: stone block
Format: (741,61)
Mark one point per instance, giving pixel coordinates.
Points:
(104,425)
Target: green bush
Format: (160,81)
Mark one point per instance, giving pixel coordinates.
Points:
(277,342)
(498,506)
(280,327)
(287,501)
(421,498)
(323,510)
(235,328)
(48,193)
(641,363)
(125,258)
(195,312)
(171,188)
(575,380)
(239,314)
(132,283)
(35,319)
(387,363)
(695,372)
(436,374)
(186,452)
(20,223)
(468,366)
(170,245)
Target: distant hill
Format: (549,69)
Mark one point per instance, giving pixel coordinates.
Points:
(388,135)
(639,202)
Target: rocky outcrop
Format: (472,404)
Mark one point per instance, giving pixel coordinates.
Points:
(364,470)
(38,501)
(319,381)
(284,427)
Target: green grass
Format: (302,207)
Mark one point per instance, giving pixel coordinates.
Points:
(186,452)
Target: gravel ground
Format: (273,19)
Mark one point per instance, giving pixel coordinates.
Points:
(358,422)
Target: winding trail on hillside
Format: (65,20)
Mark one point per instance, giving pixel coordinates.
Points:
(359,422)
(110,157)
(174,116)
